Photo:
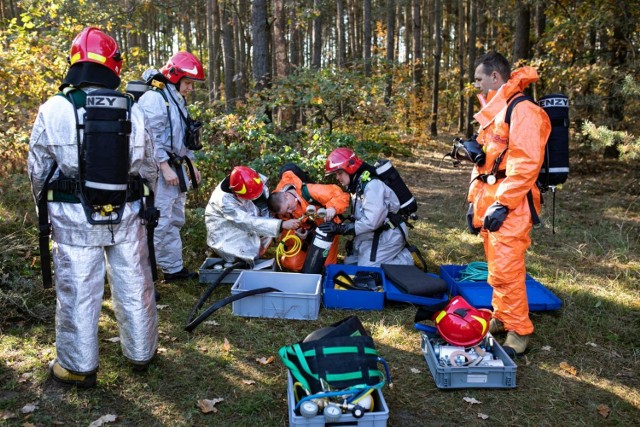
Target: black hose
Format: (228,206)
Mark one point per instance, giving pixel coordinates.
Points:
(207,293)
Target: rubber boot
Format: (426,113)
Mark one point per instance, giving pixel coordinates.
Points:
(62,375)
(515,344)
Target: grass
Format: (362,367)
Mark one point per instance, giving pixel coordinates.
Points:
(584,361)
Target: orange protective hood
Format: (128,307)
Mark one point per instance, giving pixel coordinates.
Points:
(497,100)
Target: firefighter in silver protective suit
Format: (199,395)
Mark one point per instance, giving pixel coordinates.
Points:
(84,251)
(380,237)
(239,226)
(175,138)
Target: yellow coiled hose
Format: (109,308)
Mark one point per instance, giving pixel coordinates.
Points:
(293,251)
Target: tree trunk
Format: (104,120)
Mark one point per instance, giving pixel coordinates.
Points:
(521,36)
(473,16)
(211,51)
(366,39)
(260,37)
(241,51)
(229,60)
(316,60)
(340,30)
(294,44)
(541,23)
(417,48)
(281,62)
(437,18)
(408,31)
(461,80)
(615,103)
(391,43)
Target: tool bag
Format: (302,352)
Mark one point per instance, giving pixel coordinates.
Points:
(336,357)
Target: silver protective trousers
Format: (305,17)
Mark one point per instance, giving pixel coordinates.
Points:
(79,281)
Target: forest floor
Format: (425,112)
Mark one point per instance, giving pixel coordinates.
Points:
(583,367)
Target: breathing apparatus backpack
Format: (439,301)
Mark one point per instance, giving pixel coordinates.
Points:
(103,153)
(388,174)
(555,167)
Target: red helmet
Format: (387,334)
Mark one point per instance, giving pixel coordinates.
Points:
(183,64)
(92,45)
(461,324)
(342,158)
(246,183)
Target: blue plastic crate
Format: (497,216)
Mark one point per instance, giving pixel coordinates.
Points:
(479,294)
(395,294)
(353,300)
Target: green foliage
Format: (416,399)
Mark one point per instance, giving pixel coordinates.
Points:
(600,137)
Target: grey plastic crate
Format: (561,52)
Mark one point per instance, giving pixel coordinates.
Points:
(209,274)
(299,296)
(377,418)
(471,377)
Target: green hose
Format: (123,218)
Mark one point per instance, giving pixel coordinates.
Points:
(476,271)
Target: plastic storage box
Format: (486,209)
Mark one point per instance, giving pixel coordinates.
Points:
(209,273)
(353,300)
(450,377)
(299,296)
(395,294)
(377,418)
(479,294)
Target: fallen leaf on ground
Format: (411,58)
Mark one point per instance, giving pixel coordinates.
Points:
(592,344)
(211,323)
(161,306)
(6,415)
(29,408)
(546,348)
(162,350)
(25,377)
(227,345)
(248,382)
(568,368)
(604,410)
(471,400)
(28,425)
(265,361)
(209,405)
(109,418)
(415,371)
(114,339)
(482,416)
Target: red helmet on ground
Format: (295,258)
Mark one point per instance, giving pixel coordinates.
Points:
(461,324)
(246,183)
(92,45)
(183,64)
(342,158)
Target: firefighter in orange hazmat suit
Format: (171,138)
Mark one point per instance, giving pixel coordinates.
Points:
(290,199)
(500,210)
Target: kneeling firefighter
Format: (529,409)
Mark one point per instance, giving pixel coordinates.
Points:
(380,233)
(313,204)
(237,219)
(88,158)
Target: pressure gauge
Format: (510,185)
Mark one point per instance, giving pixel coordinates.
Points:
(332,413)
(309,409)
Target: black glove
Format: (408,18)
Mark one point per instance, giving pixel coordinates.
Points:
(331,227)
(495,216)
(473,230)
